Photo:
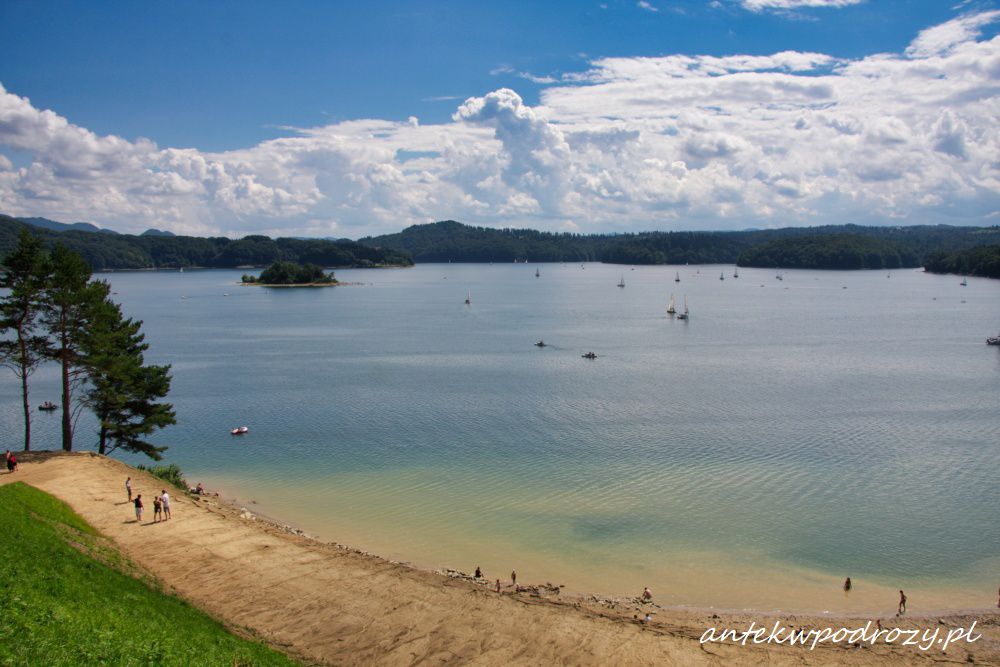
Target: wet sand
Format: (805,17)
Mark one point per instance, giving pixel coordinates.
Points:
(333,605)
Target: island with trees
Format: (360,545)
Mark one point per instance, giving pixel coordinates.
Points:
(290,274)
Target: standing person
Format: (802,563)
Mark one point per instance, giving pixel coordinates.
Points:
(513,577)
(902,602)
(847,585)
(138,508)
(11,462)
(165,499)
(6,460)
(128,487)
(157,509)
(498,585)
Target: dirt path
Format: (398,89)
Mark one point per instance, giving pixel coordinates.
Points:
(337,606)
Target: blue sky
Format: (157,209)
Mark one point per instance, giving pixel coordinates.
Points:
(358,88)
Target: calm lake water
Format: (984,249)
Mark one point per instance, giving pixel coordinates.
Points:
(790,434)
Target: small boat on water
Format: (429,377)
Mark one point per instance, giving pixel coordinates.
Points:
(993,340)
(621,283)
(468,299)
(47,406)
(240,430)
(736,272)
(537,274)
(722,276)
(671,307)
(589,355)
(540,343)
(965,281)
(677,277)
(686,314)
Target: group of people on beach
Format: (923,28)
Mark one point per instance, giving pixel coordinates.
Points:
(161,504)
(497,585)
(11,460)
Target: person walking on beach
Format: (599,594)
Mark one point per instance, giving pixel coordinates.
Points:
(128,487)
(157,509)
(138,508)
(847,585)
(902,602)
(165,499)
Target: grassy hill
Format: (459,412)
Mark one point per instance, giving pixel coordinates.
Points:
(69,598)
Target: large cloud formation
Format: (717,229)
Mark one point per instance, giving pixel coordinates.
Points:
(675,142)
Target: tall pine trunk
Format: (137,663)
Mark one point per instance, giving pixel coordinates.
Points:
(67,421)
(27,409)
(103,446)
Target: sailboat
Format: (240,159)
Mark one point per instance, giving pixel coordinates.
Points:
(677,277)
(965,281)
(736,272)
(685,314)
(779,276)
(468,299)
(537,274)
(722,276)
(621,283)
(671,308)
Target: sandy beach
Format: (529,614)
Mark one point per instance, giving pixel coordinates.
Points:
(329,604)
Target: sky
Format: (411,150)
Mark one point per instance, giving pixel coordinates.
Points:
(347,119)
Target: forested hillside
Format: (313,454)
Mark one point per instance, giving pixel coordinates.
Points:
(123,251)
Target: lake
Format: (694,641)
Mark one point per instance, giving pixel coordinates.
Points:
(790,434)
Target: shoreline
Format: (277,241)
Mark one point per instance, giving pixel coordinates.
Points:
(335,604)
(813,592)
(239,506)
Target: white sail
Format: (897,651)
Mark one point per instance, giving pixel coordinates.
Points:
(671,307)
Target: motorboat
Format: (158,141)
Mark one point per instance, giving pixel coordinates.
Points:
(589,355)
(48,406)
(239,430)
(540,343)
(993,340)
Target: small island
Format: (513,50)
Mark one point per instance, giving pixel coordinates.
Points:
(290,274)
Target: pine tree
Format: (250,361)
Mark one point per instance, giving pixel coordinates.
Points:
(25,274)
(122,388)
(69,297)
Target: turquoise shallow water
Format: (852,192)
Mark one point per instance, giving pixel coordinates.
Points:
(791,433)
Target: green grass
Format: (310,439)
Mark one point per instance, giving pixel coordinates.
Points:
(67,598)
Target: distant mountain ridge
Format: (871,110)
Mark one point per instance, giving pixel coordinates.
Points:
(45,223)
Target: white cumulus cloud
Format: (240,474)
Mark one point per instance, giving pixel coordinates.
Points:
(670,142)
